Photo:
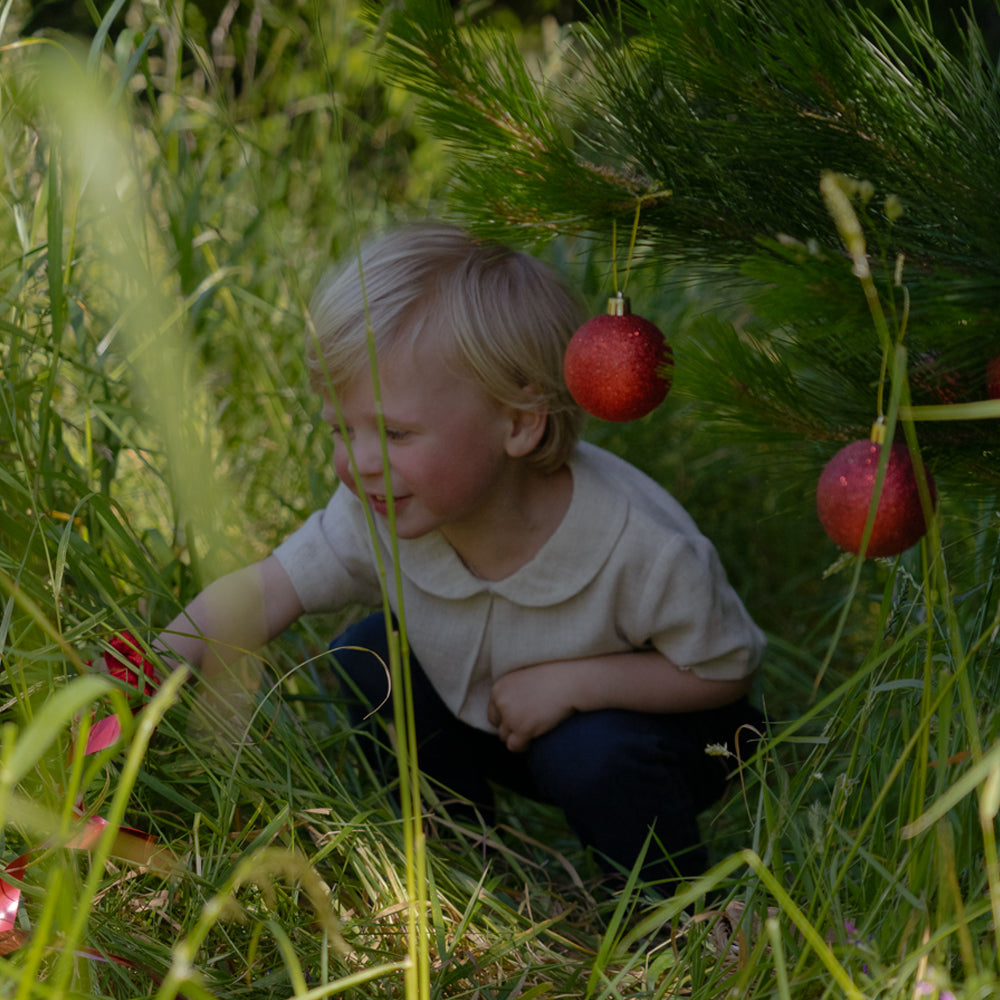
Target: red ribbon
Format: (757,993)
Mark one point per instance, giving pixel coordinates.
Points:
(126,662)
(10,896)
(130,664)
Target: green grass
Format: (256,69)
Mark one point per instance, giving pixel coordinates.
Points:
(163,221)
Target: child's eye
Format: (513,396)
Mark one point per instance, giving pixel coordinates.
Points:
(392,434)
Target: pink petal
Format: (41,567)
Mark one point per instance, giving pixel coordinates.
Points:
(103,734)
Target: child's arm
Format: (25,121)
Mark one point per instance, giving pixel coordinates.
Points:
(233,616)
(528,702)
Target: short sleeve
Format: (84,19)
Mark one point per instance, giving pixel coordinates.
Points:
(683,605)
(330,560)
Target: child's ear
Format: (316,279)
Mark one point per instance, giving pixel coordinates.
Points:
(527,426)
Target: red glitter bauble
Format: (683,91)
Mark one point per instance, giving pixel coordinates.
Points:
(935,380)
(844,495)
(618,366)
(993,378)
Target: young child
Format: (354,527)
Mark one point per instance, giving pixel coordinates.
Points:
(573,635)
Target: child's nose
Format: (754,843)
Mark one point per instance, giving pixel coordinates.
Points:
(367,454)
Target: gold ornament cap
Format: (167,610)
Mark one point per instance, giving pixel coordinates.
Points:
(619,305)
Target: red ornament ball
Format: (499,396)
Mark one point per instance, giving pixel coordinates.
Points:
(128,664)
(618,366)
(936,381)
(993,378)
(844,495)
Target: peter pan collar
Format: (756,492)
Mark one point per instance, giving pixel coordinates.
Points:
(565,564)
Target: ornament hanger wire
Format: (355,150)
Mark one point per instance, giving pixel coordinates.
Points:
(631,250)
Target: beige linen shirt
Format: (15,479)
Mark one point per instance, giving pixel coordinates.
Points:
(626,569)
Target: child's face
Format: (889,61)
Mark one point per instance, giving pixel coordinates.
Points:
(447,442)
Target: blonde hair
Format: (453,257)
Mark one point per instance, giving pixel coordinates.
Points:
(503,316)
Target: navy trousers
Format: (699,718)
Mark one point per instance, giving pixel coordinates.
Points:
(614,773)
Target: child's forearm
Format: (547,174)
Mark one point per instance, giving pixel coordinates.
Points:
(236,614)
(647,681)
(528,702)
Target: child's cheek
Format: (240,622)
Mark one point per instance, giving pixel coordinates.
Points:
(342,464)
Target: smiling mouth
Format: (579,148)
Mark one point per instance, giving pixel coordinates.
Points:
(381,501)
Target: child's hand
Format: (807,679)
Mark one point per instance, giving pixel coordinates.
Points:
(528,702)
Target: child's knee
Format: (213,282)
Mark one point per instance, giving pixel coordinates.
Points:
(613,756)
(584,757)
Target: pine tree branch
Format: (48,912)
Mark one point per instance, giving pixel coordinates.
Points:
(719,121)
